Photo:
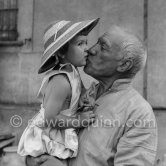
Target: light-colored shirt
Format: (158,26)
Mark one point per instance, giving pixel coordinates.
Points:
(124,133)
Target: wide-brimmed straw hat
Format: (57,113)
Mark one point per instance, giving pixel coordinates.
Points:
(56,35)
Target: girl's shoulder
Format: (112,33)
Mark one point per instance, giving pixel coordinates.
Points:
(60,78)
(56,82)
(58,88)
(59,81)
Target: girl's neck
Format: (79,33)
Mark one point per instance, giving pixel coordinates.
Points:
(63,61)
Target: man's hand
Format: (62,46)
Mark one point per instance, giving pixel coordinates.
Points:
(36,161)
(86,118)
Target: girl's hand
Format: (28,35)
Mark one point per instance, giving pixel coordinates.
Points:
(86,118)
(36,161)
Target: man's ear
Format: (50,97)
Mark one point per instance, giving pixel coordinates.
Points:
(125,65)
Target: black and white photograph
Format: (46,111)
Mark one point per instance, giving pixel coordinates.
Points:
(82,83)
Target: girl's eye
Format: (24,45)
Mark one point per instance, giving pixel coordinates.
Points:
(81,43)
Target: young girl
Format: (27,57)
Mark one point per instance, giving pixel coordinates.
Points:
(53,129)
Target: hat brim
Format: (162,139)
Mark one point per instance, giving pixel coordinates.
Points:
(48,61)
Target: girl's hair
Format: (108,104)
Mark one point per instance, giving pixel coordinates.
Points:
(63,50)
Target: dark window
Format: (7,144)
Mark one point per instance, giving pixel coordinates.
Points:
(8,20)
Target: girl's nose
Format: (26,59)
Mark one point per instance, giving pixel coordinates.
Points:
(92,50)
(86,48)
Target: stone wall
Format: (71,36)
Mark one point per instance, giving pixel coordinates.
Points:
(18,65)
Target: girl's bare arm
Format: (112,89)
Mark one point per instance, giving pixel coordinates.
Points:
(56,93)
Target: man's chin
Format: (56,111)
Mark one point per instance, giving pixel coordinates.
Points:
(86,69)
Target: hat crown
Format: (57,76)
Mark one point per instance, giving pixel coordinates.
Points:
(54,31)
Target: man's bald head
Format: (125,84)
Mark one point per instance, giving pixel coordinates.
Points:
(130,48)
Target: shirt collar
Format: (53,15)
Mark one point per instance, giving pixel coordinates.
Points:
(120,84)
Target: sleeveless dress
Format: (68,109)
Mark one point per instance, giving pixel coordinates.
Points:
(37,139)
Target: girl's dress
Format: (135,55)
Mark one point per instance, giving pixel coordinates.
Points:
(37,139)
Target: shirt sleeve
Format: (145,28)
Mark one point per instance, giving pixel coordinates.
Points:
(138,144)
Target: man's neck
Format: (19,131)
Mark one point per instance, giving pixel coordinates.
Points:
(104,85)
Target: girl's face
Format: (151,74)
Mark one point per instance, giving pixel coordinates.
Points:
(76,53)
